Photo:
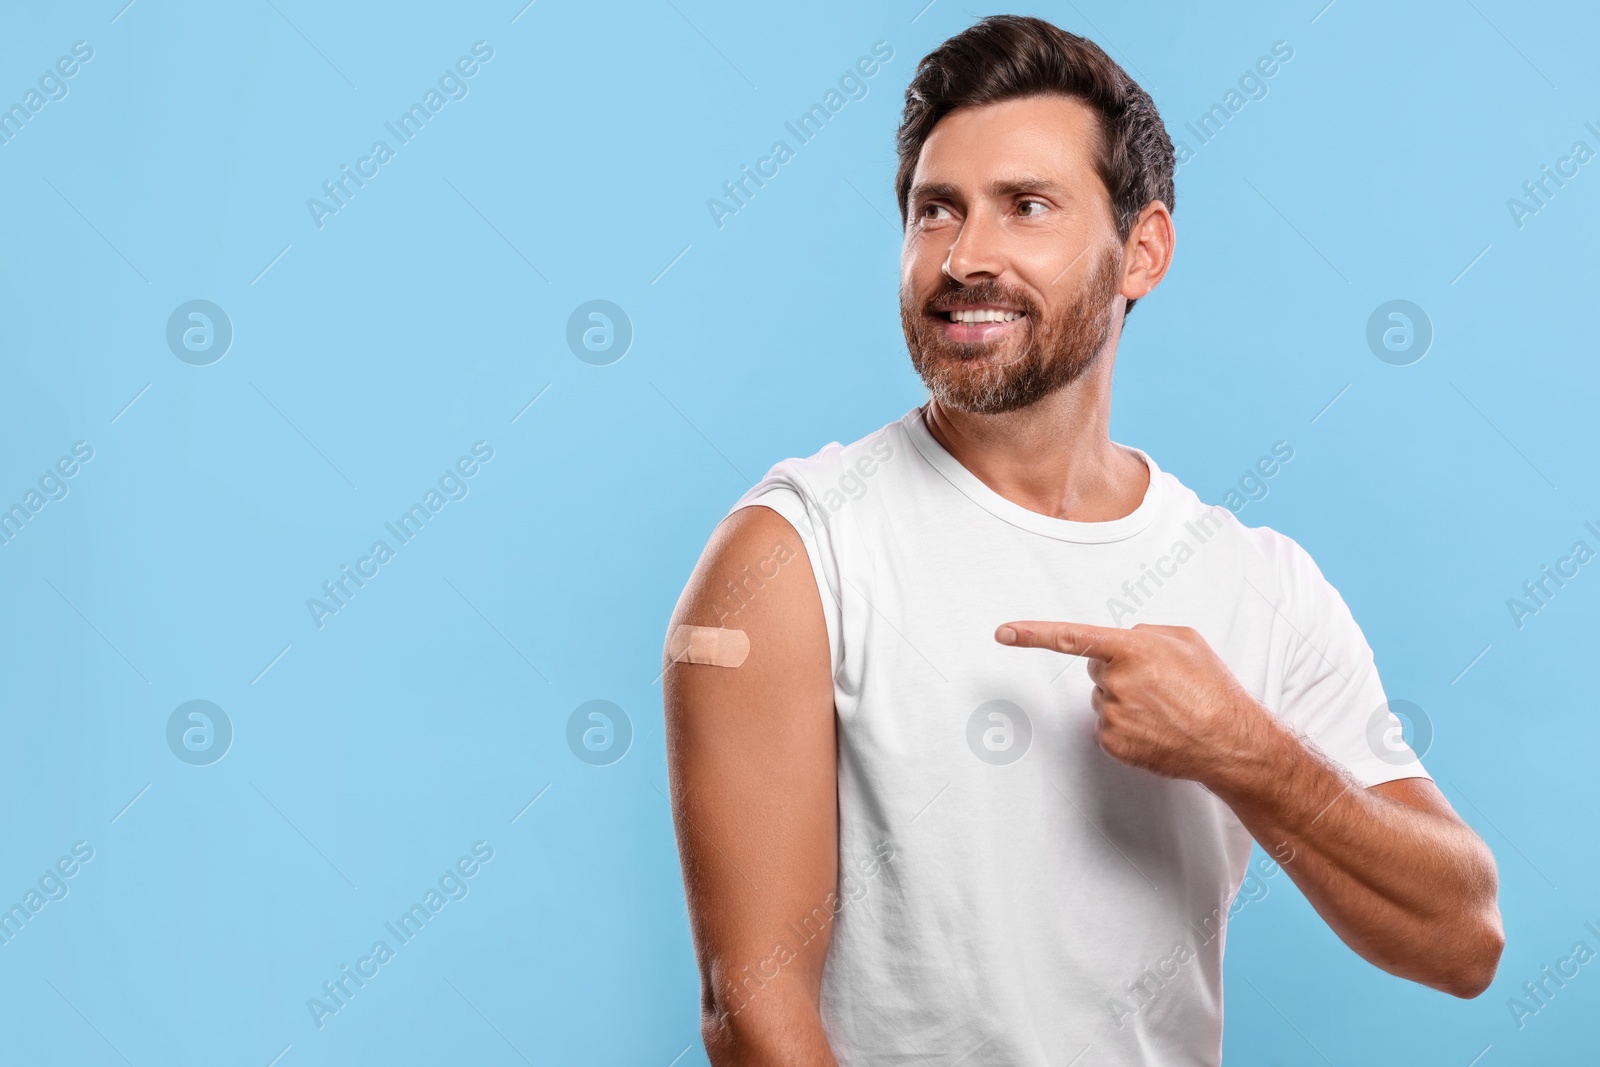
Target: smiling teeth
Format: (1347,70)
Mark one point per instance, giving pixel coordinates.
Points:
(984,315)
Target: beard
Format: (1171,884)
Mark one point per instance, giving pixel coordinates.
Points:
(992,377)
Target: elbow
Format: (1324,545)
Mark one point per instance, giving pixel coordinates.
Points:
(1480,933)
(732,1040)
(761,1024)
(719,1029)
(1469,984)
(719,1009)
(1476,968)
(731,1035)
(1480,974)
(721,1042)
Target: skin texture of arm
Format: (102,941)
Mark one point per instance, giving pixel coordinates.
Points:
(1391,869)
(751,754)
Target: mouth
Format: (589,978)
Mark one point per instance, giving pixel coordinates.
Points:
(981,323)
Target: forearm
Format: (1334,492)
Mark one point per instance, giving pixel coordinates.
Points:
(1411,891)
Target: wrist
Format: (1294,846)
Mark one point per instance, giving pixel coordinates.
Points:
(1259,762)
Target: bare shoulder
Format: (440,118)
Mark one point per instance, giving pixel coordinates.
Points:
(754,577)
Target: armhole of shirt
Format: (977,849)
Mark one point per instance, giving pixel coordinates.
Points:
(788,503)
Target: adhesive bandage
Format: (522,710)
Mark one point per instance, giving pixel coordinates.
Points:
(714,646)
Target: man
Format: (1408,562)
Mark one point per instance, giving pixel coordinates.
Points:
(971,723)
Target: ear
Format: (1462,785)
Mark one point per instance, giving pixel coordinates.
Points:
(1147,253)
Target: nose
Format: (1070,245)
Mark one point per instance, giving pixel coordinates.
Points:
(976,251)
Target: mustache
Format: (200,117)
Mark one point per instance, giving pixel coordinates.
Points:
(956,294)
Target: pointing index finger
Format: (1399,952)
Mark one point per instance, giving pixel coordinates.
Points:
(1071,638)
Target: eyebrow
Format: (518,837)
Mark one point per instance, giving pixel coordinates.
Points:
(1003,187)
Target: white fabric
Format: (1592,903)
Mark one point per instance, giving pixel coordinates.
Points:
(1063,904)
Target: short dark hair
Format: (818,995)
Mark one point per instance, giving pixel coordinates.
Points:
(1006,57)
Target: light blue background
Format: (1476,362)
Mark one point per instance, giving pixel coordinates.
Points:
(427,313)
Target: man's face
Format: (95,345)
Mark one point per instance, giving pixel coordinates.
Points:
(1008,220)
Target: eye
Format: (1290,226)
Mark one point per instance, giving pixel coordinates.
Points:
(931,207)
(1029,214)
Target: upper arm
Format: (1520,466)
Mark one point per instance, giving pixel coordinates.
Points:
(1422,794)
(1418,793)
(751,755)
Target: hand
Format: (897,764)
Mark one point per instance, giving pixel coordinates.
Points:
(1166,702)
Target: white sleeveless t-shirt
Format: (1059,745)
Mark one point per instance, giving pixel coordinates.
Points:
(1008,893)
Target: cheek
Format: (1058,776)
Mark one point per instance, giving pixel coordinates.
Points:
(909,272)
(1050,272)
(1077,257)
(921,259)
(1053,258)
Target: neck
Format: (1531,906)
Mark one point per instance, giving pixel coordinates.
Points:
(1055,456)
